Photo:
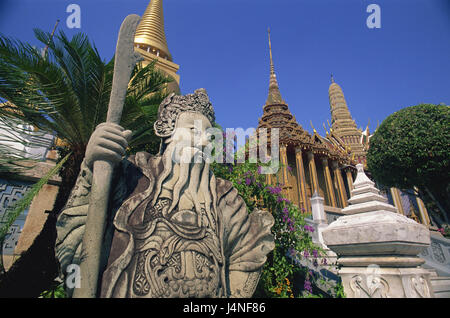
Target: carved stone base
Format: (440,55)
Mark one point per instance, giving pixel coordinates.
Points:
(377,282)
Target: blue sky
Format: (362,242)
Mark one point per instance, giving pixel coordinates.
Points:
(222,46)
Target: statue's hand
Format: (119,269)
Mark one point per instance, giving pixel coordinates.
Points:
(108,142)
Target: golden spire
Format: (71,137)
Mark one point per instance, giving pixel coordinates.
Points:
(150,31)
(274,90)
(272,68)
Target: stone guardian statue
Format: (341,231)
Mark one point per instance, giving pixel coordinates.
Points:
(173,229)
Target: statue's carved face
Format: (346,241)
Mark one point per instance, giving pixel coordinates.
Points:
(173,106)
(186,178)
(191,126)
(190,136)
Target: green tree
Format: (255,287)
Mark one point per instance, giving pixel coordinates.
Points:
(66,92)
(411,150)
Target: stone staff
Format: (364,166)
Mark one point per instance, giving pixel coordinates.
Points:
(125,60)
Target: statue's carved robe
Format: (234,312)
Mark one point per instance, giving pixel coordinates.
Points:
(147,255)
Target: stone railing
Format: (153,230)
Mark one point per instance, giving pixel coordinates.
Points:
(437,255)
(332,214)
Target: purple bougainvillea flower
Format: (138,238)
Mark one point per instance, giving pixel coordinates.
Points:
(314,252)
(307,286)
(275,190)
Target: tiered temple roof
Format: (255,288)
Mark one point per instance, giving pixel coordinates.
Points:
(276,114)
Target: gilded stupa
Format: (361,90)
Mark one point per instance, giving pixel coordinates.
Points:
(150,41)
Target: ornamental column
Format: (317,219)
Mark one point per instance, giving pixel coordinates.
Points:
(349,176)
(340,182)
(329,183)
(284,171)
(422,210)
(397,200)
(312,172)
(301,179)
(269,179)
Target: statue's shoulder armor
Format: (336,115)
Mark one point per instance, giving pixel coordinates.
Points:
(223,187)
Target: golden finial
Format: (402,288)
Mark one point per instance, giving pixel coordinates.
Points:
(314,129)
(367,129)
(150,31)
(324,127)
(332,78)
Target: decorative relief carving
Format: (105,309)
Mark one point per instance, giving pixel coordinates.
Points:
(173,265)
(371,287)
(250,284)
(416,286)
(420,286)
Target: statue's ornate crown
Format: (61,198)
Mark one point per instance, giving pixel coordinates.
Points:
(173,105)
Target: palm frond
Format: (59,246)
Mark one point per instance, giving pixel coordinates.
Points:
(67,92)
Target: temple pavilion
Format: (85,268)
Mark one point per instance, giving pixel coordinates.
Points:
(324,164)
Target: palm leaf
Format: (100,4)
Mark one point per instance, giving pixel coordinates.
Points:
(67,92)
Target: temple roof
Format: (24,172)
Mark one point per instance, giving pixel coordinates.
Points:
(150,31)
(276,113)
